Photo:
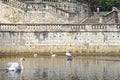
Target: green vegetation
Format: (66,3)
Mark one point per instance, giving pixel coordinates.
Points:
(104,5)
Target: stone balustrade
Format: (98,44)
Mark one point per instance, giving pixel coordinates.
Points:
(59,27)
(111,16)
(51,6)
(16,4)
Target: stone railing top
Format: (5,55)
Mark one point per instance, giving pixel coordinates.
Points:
(109,13)
(59,27)
(58,24)
(66,11)
(33,2)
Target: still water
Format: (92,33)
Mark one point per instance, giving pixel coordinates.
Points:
(59,68)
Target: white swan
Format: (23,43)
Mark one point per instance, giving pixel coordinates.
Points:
(68,54)
(14,66)
(35,55)
(53,55)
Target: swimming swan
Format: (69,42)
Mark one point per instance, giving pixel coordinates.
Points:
(53,55)
(35,55)
(68,54)
(14,66)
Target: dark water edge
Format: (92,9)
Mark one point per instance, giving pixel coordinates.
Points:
(58,54)
(83,57)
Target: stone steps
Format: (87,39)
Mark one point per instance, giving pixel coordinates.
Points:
(94,18)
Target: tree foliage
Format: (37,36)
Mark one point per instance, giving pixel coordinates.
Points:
(104,5)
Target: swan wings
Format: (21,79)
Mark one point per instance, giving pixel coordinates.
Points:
(13,65)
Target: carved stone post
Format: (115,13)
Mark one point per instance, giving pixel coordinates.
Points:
(116,17)
(100,19)
(115,14)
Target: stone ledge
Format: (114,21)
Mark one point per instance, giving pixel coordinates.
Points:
(59,27)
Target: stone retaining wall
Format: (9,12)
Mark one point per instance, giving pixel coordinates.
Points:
(76,38)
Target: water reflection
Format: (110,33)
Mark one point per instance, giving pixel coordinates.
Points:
(14,74)
(69,60)
(62,68)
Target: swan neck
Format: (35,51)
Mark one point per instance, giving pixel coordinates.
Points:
(21,64)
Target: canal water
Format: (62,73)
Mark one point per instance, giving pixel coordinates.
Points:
(60,68)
